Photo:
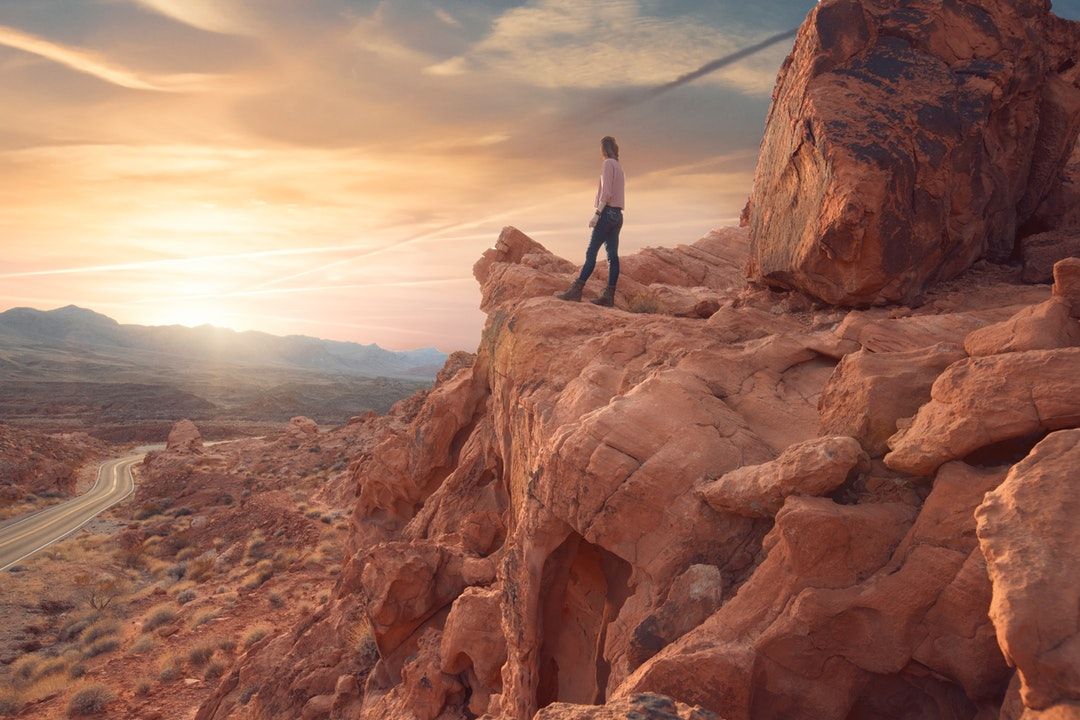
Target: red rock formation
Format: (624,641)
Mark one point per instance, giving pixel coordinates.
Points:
(185,438)
(906,141)
(813,467)
(1028,531)
(681,499)
(532,530)
(45,464)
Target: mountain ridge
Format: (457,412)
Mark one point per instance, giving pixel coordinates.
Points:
(76,326)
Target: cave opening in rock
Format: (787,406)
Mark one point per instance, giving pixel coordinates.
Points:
(583,589)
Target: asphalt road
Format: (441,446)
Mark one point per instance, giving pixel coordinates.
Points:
(25,536)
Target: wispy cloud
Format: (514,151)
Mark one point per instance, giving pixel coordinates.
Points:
(565,43)
(220,16)
(90,63)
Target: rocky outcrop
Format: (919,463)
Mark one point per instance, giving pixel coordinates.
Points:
(184,438)
(985,401)
(907,141)
(814,467)
(1028,532)
(41,463)
(542,530)
(870,391)
(644,706)
(685,495)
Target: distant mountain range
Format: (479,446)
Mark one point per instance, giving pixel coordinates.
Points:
(73,367)
(75,327)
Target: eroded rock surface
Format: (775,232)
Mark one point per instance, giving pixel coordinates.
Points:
(906,141)
(1029,534)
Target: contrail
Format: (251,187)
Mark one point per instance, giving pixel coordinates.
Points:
(706,69)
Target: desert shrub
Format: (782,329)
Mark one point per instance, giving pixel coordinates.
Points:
(142,687)
(157,616)
(53,606)
(90,700)
(248,693)
(185,596)
(77,671)
(199,655)
(148,510)
(187,553)
(258,548)
(100,629)
(213,671)
(642,304)
(56,666)
(177,571)
(199,568)
(255,634)
(313,514)
(228,645)
(10,701)
(169,668)
(74,628)
(327,518)
(276,600)
(144,644)
(25,667)
(101,647)
(182,511)
(261,573)
(204,616)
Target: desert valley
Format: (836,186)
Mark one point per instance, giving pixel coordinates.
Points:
(824,465)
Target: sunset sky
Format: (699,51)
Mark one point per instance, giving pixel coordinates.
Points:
(335,167)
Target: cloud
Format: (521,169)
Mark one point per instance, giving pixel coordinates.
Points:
(567,44)
(91,64)
(219,16)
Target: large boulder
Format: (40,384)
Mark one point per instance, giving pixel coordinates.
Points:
(907,140)
(1028,532)
(184,437)
(1041,251)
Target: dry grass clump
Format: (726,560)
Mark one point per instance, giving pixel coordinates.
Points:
(255,634)
(56,666)
(101,647)
(227,645)
(144,644)
(100,629)
(185,596)
(262,572)
(90,700)
(169,668)
(204,617)
(214,671)
(10,701)
(143,686)
(25,667)
(199,568)
(199,655)
(157,616)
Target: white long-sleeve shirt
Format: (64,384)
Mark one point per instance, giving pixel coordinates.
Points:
(612,188)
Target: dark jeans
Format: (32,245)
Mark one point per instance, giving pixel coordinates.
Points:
(605,233)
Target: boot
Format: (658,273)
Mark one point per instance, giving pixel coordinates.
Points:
(573,293)
(607,298)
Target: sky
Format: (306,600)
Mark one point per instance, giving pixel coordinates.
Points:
(335,167)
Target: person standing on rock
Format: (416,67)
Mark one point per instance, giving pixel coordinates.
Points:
(605,224)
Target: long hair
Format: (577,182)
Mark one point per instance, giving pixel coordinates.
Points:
(609,147)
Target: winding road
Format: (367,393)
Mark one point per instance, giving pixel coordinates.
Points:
(27,535)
